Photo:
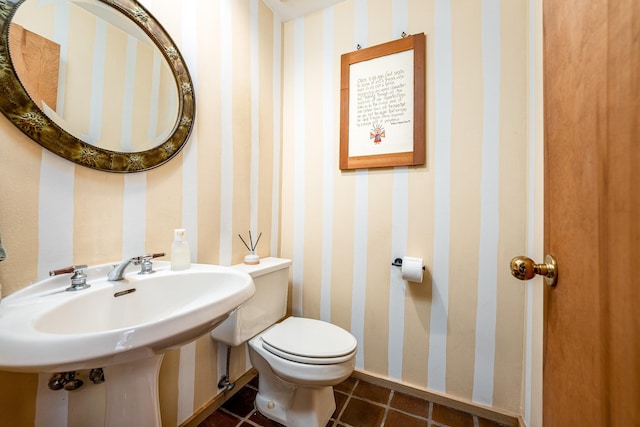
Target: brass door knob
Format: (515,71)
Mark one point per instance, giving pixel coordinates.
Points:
(524,268)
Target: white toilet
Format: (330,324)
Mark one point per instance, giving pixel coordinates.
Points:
(298,360)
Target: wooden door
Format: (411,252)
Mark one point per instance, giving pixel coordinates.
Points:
(591,359)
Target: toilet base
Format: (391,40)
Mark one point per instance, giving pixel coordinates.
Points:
(298,406)
(296,394)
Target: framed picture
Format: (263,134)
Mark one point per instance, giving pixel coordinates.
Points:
(382,105)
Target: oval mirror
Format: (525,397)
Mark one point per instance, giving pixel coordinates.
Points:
(98,82)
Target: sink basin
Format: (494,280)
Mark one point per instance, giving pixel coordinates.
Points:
(44,328)
(123,327)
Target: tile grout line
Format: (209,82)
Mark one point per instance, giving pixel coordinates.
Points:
(247,418)
(409,414)
(430,415)
(386,409)
(346,402)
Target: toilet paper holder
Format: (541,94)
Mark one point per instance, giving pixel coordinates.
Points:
(398,263)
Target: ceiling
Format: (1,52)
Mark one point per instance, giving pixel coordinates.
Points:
(291,9)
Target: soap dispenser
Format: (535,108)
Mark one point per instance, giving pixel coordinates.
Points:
(180,255)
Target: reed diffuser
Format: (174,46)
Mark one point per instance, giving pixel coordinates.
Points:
(251,258)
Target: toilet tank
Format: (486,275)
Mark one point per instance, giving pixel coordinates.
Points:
(267,305)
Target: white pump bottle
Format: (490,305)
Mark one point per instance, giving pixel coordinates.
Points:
(180,254)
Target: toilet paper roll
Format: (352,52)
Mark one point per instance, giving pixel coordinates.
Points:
(412,269)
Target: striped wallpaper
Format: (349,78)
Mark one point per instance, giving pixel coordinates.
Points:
(461,332)
(264,156)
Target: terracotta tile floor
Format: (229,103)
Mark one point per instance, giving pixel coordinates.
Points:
(358,404)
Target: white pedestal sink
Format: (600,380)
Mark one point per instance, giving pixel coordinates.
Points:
(124,327)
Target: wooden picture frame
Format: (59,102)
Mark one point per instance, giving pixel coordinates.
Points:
(382,105)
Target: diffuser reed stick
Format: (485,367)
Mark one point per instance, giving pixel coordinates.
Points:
(251,246)
(257,240)
(245,243)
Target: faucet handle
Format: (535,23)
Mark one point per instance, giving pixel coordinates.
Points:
(146,266)
(70,269)
(79,278)
(137,260)
(155,255)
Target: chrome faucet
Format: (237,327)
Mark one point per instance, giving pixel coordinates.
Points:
(144,261)
(118,271)
(79,278)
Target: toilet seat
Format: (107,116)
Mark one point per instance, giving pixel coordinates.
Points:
(309,341)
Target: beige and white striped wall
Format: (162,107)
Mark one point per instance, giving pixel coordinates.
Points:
(461,332)
(264,156)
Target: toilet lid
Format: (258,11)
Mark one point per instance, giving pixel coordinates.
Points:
(309,341)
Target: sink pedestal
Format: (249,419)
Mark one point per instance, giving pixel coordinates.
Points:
(132,393)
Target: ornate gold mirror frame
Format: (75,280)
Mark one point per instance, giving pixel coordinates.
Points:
(23,112)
